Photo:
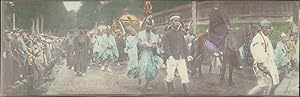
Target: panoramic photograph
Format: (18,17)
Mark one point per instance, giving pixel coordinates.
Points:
(149,48)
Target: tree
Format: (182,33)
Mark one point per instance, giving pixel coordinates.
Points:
(45,15)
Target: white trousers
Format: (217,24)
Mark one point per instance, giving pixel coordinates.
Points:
(180,65)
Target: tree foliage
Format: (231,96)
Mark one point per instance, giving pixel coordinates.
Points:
(88,13)
(161,5)
(53,12)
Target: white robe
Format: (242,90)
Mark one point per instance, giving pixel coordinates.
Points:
(262,51)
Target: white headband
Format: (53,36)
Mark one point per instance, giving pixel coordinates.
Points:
(175,16)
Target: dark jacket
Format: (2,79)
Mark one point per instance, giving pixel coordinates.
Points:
(175,45)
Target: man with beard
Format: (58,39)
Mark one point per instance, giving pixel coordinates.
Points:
(176,52)
(82,51)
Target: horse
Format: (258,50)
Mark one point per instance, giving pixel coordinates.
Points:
(228,55)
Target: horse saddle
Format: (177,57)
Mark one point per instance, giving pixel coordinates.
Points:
(212,48)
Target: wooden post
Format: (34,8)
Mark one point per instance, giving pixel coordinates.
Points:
(2,26)
(296,12)
(194,16)
(33,27)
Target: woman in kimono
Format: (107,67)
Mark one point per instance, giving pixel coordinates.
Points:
(110,50)
(147,53)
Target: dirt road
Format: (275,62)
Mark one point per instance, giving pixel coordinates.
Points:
(116,82)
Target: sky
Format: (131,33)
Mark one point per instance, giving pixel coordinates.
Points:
(72,5)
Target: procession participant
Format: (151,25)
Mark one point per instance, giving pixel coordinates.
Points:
(69,47)
(157,53)
(176,48)
(7,60)
(18,59)
(189,37)
(110,51)
(281,54)
(146,54)
(291,45)
(132,51)
(264,66)
(94,44)
(98,48)
(38,68)
(82,52)
(23,53)
(120,45)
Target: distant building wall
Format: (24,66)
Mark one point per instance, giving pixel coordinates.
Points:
(238,11)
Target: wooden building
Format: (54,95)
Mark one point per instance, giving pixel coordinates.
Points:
(238,11)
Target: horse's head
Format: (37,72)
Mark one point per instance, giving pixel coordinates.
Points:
(240,36)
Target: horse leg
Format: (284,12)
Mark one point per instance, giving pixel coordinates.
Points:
(223,69)
(200,69)
(211,65)
(231,83)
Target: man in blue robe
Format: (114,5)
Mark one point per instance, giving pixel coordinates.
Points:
(147,52)
(110,50)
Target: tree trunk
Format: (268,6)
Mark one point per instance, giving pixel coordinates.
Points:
(194,16)
(42,23)
(37,25)
(296,12)
(3,22)
(33,27)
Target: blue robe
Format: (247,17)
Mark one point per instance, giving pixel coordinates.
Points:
(147,64)
(97,47)
(132,51)
(106,53)
(281,51)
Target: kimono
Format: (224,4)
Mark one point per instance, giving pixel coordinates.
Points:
(263,53)
(109,54)
(157,59)
(97,48)
(281,54)
(82,47)
(132,51)
(147,61)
